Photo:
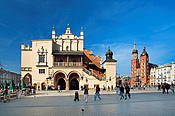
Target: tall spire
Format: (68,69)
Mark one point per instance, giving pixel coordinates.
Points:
(134,49)
(135,45)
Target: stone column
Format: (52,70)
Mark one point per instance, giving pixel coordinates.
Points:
(67,84)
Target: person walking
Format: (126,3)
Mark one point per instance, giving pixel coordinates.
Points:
(163,88)
(172,88)
(86,94)
(121,92)
(159,86)
(127,90)
(97,93)
(167,86)
(117,90)
(76,96)
(58,88)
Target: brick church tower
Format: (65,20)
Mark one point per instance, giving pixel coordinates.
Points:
(144,67)
(139,68)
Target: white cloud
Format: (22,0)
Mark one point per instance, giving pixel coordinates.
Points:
(164,27)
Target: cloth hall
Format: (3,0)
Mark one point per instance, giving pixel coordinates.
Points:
(63,61)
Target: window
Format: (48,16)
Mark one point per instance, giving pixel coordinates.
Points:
(41,71)
(41,58)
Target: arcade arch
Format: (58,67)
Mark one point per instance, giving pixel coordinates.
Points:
(60,80)
(28,79)
(74,79)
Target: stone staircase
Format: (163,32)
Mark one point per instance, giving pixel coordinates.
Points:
(90,73)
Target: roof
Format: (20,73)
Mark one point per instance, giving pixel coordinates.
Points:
(42,40)
(93,58)
(4,70)
(153,65)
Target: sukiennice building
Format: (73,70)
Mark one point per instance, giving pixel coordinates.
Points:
(63,61)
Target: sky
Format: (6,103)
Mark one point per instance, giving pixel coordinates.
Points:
(107,23)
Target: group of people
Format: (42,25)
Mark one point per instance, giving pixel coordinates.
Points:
(6,93)
(165,88)
(86,92)
(123,91)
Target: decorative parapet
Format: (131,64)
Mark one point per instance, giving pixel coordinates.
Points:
(26,47)
(26,68)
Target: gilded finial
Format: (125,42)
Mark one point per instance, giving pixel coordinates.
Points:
(68,25)
(53,27)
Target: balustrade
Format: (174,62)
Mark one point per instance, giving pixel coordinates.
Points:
(68,64)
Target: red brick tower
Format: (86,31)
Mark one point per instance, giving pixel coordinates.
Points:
(134,66)
(144,67)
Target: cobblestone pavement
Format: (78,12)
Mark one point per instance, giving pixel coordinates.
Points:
(141,104)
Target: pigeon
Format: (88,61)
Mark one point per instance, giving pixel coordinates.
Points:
(82,109)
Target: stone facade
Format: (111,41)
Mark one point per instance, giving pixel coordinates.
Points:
(62,61)
(165,73)
(7,76)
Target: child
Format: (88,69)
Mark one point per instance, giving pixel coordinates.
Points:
(76,96)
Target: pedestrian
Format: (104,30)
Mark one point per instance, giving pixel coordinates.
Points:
(159,86)
(58,88)
(172,88)
(117,90)
(121,92)
(167,86)
(76,96)
(127,90)
(97,93)
(17,93)
(163,88)
(86,94)
(108,88)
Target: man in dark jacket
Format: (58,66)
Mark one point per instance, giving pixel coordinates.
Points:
(167,86)
(163,88)
(121,92)
(76,96)
(97,93)
(127,89)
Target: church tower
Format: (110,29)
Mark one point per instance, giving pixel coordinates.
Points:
(110,66)
(134,66)
(144,67)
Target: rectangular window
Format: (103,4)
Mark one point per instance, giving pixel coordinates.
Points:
(41,58)
(41,71)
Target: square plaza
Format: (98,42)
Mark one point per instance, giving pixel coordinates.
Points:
(141,104)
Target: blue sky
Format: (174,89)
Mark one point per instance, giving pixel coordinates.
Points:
(114,23)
